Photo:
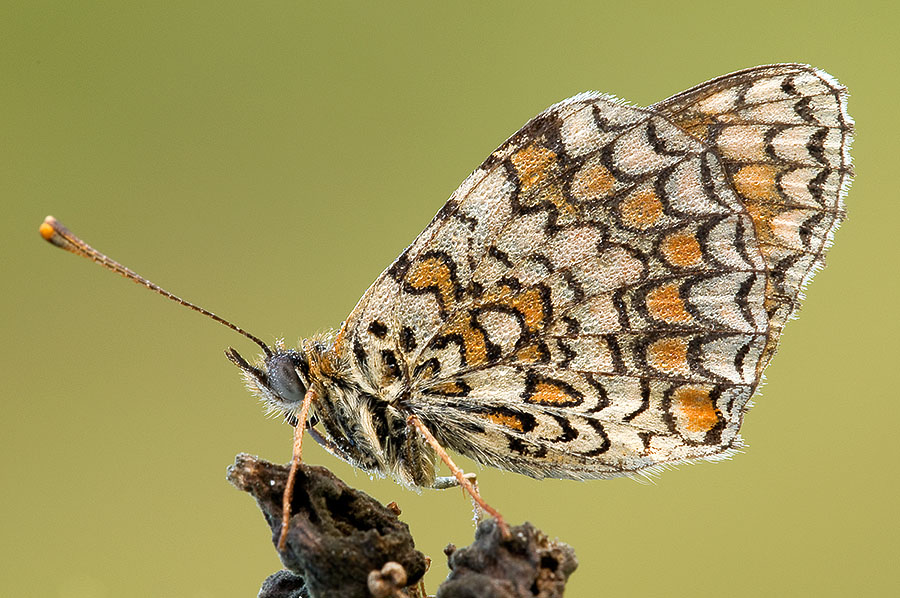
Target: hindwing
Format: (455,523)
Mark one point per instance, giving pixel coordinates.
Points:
(783,135)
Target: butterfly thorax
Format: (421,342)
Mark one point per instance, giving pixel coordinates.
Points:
(349,418)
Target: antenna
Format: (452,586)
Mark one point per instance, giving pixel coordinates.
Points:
(55,233)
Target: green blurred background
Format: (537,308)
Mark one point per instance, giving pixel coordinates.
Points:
(268,160)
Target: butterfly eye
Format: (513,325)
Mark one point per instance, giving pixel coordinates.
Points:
(283,379)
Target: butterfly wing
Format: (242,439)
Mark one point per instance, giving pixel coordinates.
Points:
(783,135)
(589,303)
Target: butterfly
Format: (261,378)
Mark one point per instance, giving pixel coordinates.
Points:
(599,298)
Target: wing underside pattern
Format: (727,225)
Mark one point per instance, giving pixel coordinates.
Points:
(601,295)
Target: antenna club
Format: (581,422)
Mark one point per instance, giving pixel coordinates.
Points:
(47,228)
(55,233)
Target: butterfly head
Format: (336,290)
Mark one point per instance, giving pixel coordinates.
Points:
(279,382)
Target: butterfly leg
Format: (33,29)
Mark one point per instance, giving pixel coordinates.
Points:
(448,481)
(461,477)
(295,464)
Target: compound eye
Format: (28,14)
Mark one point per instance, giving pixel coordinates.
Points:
(283,379)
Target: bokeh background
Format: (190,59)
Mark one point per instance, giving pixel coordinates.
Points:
(268,160)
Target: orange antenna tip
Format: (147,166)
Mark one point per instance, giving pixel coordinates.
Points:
(47,228)
(55,233)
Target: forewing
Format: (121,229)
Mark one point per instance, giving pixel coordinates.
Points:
(588,303)
(783,134)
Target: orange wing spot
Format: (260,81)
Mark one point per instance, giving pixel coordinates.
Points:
(682,250)
(664,303)
(763,215)
(531,305)
(532,164)
(452,388)
(592,182)
(669,355)
(641,209)
(694,409)
(474,344)
(547,393)
(528,303)
(506,420)
(554,195)
(530,354)
(433,273)
(757,182)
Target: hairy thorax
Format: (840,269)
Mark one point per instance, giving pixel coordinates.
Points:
(361,422)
